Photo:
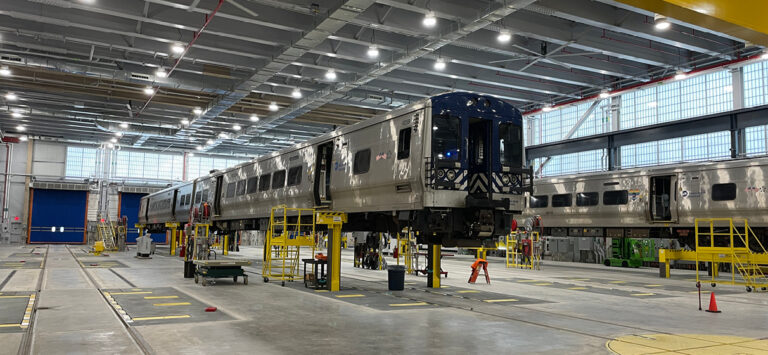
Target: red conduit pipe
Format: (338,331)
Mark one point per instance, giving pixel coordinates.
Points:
(5,179)
(208,18)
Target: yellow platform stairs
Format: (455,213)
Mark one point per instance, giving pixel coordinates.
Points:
(719,240)
(107,234)
(289,230)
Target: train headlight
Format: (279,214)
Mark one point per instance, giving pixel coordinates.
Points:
(451,174)
(440,173)
(505,179)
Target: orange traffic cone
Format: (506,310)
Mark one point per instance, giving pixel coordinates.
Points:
(712,304)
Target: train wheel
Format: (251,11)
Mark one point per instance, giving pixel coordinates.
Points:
(266,279)
(282,284)
(713,284)
(749,289)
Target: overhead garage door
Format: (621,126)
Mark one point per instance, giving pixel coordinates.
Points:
(58,216)
(129,207)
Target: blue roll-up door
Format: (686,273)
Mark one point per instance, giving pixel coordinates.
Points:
(58,216)
(129,207)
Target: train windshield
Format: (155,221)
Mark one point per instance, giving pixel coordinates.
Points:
(445,137)
(510,142)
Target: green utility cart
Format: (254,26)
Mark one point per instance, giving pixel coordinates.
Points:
(629,252)
(216,269)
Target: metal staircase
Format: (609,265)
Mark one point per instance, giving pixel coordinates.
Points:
(718,241)
(107,234)
(289,230)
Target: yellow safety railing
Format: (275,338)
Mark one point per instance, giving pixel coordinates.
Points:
(718,240)
(516,256)
(289,230)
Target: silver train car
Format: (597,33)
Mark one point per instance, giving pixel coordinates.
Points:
(654,202)
(449,166)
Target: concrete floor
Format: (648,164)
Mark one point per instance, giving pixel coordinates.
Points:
(564,308)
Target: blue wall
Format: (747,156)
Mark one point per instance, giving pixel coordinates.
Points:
(129,207)
(58,208)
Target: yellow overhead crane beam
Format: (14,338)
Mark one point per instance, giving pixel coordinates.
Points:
(745,19)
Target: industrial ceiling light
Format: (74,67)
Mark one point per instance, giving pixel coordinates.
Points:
(4,71)
(604,94)
(237,127)
(191,154)
(119,134)
(113,140)
(11,96)
(16,115)
(209,142)
(254,118)
(547,108)
(198,111)
(504,36)
(110,145)
(177,48)
(161,73)
(429,20)
(199,147)
(330,75)
(765,55)
(21,128)
(149,90)
(123,125)
(439,64)
(223,135)
(23,138)
(273,106)
(296,93)
(661,22)
(185,121)
(373,51)
(680,75)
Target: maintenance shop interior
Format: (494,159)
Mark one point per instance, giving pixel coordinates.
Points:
(384,177)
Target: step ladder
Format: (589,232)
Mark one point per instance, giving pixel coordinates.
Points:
(289,230)
(107,234)
(719,239)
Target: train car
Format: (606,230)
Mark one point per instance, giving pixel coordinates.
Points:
(449,166)
(654,202)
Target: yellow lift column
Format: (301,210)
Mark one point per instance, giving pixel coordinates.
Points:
(174,236)
(334,221)
(433,267)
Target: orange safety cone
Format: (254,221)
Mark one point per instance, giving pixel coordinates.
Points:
(712,304)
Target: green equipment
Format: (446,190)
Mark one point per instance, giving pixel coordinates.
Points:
(629,252)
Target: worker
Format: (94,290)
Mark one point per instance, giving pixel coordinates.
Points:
(526,251)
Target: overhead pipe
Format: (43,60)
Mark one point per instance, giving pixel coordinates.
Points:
(208,18)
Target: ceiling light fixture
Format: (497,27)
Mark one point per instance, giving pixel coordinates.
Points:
(237,127)
(185,121)
(124,125)
(4,71)
(223,135)
(680,75)
(177,48)
(21,128)
(604,94)
(439,64)
(765,55)
(254,118)
(110,145)
(504,36)
(23,138)
(119,134)
(330,75)
(198,111)
(429,20)
(661,22)
(273,106)
(113,140)
(199,147)
(373,51)
(149,90)
(161,73)
(16,115)
(547,108)
(11,96)
(296,93)
(209,142)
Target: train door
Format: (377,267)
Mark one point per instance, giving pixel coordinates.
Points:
(663,199)
(322,183)
(217,195)
(479,157)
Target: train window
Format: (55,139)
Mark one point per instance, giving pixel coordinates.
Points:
(404,143)
(264,182)
(240,190)
(562,200)
(540,201)
(724,192)
(252,185)
(445,137)
(231,189)
(278,179)
(294,176)
(205,195)
(198,195)
(510,144)
(587,199)
(362,162)
(612,198)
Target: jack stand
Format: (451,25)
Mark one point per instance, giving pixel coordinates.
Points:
(334,221)
(433,265)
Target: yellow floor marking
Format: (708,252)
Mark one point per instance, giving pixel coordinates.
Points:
(408,304)
(653,285)
(349,296)
(158,297)
(136,289)
(577,288)
(501,300)
(321,290)
(131,293)
(444,286)
(643,294)
(579,279)
(468,291)
(617,282)
(10,325)
(172,304)
(684,344)
(544,284)
(162,317)
(528,280)
(24,296)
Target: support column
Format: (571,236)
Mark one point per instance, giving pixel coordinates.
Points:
(225,245)
(433,267)
(334,257)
